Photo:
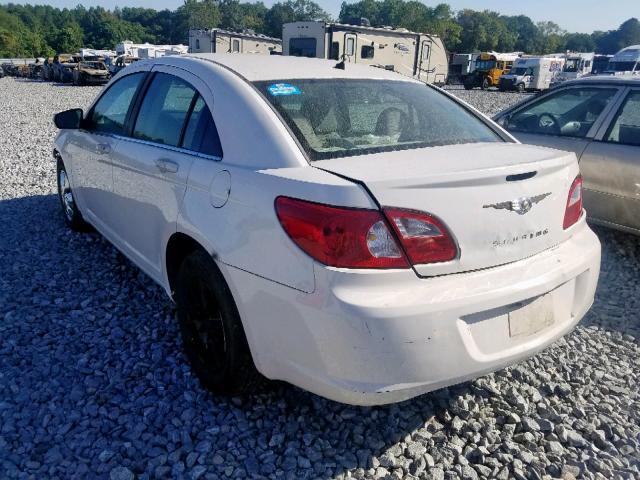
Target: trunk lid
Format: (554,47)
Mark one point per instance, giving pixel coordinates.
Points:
(472,189)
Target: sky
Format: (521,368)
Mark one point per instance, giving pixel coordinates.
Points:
(571,15)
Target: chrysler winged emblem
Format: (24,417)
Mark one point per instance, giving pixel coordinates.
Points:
(519,205)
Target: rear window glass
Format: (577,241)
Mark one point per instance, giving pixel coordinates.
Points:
(342,117)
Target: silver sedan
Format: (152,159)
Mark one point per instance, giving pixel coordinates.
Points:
(598,118)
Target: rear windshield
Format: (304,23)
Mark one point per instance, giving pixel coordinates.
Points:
(334,118)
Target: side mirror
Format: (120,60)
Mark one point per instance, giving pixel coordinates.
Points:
(69,119)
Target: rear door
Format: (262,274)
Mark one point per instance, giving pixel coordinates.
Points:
(350,47)
(151,167)
(611,166)
(425,73)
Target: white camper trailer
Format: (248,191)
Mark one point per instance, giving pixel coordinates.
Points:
(576,65)
(417,55)
(532,73)
(148,50)
(216,40)
(625,61)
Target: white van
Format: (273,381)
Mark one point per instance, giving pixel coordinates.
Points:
(418,55)
(625,61)
(576,65)
(531,73)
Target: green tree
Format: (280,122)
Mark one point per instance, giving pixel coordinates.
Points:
(292,11)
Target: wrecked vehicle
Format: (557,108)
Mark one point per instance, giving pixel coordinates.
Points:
(121,62)
(63,65)
(91,73)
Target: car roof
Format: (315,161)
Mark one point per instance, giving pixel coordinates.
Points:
(256,67)
(606,80)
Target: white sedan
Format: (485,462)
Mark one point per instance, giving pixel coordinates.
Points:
(348,230)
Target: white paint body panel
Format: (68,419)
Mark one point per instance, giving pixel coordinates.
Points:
(352,335)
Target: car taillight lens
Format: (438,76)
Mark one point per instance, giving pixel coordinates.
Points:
(574,203)
(425,238)
(361,238)
(340,237)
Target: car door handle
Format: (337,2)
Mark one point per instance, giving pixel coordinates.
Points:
(167,166)
(103,148)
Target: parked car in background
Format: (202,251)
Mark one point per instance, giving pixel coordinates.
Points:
(598,118)
(352,231)
(63,66)
(91,73)
(121,62)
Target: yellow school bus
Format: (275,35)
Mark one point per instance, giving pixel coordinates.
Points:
(488,69)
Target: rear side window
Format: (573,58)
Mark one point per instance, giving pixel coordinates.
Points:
(201,134)
(626,127)
(164,110)
(570,112)
(110,112)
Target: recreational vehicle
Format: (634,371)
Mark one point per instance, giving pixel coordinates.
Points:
(148,50)
(576,65)
(490,66)
(626,60)
(461,65)
(216,40)
(532,73)
(417,55)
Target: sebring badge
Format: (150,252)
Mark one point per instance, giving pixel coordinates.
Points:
(519,205)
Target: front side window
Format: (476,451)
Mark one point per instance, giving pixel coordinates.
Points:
(342,117)
(302,47)
(164,110)
(110,112)
(570,112)
(625,129)
(201,134)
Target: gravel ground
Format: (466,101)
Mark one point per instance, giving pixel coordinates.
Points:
(93,382)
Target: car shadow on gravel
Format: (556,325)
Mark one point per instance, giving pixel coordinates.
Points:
(93,380)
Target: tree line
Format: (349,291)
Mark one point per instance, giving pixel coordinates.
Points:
(42,30)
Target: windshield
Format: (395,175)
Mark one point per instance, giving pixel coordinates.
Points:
(622,66)
(342,117)
(485,64)
(572,65)
(94,65)
(522,71)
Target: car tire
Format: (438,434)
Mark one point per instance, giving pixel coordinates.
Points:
(521,88)
(212,333)
(485,84)
(72,216)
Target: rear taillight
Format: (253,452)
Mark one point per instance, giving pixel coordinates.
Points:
(425,238)
(340,237)
(361,238)
(574,203)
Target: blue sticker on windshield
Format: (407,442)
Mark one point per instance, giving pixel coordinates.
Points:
(278,89)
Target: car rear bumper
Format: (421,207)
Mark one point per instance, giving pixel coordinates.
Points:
(375,337)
